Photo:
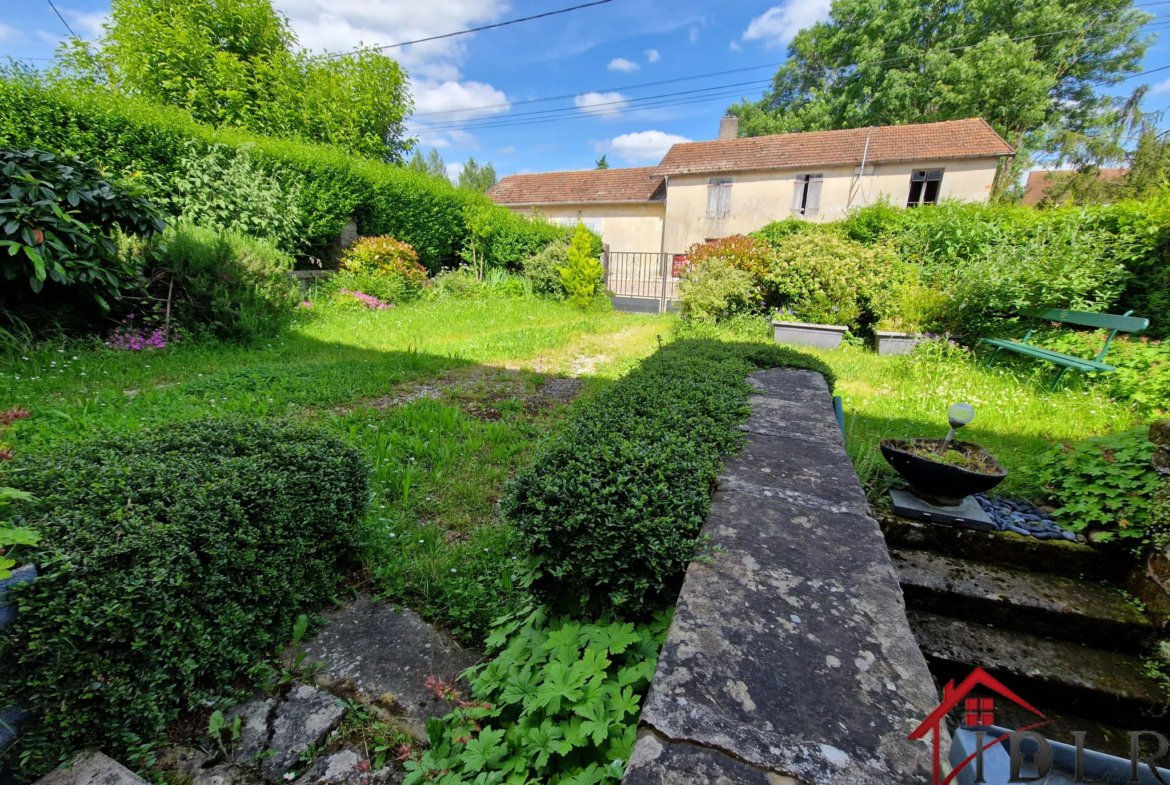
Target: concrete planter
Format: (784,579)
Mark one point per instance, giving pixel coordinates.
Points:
(816,336)
(891,342)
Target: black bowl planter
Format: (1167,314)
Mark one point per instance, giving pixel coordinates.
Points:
(936,482)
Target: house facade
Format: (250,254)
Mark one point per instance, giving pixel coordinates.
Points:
(704,191)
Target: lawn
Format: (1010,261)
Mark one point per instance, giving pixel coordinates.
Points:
(448,400)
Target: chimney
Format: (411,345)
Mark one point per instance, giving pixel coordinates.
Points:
(729,128)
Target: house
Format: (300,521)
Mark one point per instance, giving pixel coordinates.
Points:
(1041,183)
(707,190)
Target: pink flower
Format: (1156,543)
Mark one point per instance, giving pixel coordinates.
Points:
(304,304)
(368,300)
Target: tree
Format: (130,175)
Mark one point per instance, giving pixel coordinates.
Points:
(583,272)
(602,162)
(234,63)
(1032,70)
(476,177)
(432,164)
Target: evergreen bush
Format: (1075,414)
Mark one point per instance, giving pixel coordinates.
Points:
(612,505)
(172,561)
(582,273)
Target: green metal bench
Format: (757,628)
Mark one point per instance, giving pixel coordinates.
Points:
(1108,321)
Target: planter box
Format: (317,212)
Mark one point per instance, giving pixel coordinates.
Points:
(817,336)
(889,342)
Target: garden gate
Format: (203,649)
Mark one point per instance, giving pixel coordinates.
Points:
(642,282)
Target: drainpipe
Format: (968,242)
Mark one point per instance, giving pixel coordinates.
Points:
(666,190)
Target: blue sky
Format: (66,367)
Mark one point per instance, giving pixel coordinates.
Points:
(466,88)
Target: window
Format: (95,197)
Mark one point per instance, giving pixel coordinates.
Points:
(719,197)
(924,187)
(806,194)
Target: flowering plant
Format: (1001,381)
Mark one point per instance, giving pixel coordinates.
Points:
(153,333)
(384,256)
(368,300)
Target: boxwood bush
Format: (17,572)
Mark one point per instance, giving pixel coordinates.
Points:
(613,503)
(171,562)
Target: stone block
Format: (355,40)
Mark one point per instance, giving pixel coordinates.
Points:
(304,719)
(255,716)
(91,768)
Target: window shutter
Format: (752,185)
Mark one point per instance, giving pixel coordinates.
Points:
(725,200)
(798,194)
(812,204)
(712,200)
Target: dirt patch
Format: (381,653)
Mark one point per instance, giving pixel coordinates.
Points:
(485,392)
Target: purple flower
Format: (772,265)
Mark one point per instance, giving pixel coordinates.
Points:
(368,300)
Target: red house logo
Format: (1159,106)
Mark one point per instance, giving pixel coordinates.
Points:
(978,711)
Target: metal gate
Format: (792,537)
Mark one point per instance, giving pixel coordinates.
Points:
(642,282)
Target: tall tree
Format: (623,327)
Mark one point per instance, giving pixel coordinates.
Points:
(236,63)
(1033,70)
(431,164)
(602,162)
(477,177)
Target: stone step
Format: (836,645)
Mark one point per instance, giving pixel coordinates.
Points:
(1037,603)
(1108,686)
(1006,549)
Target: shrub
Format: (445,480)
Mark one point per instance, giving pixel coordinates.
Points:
(459,284)
(380,266)
(743,253)
(225,191)
(233,285)
(826,279)
(172,560)
(717,290)
(612,504)
(1103,483)
(498,237)
(543,269)
(129,135)
(13,539)
(58,218)
(1143,366)
(777,231)
(558,703)
(581,276)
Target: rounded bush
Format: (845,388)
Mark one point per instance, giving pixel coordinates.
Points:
(171,562)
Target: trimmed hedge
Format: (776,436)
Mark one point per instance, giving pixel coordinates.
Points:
(172,561)
(130,135)
(613,504)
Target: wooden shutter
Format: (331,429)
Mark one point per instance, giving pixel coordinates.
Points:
(725,199)
(712,199)
(798,195)
(812,204)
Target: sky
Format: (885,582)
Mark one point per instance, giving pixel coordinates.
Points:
(550,94)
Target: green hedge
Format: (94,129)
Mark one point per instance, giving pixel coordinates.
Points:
(172,562)
(129,135)
(613,503)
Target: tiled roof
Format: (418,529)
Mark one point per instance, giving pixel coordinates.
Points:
(1039,181)
(972,138)
(638,184)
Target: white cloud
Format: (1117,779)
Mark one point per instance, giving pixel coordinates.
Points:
(694,34)
(622,64)
(88,25)
(453,171)
(464,100)
(780,23)
(735,47)
(643,146)
(508,150)
(1160,87)
(7,32)
(600,103)
(652,56)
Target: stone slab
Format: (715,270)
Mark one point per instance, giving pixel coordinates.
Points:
(790,655)
(1107,686)
(91,768)
(1037,603)
(380,654)
(303,720)
(968,515)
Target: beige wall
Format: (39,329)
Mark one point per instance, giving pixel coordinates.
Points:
(758,198)
(623,226)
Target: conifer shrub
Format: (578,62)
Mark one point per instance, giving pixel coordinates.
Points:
(582,273)
(171,562)
(612,505)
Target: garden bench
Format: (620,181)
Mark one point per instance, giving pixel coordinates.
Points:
(1108,321)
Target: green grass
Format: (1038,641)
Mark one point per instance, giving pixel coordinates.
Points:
(433,537)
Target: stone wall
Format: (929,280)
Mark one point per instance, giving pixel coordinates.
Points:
(790,658)
(1150,582)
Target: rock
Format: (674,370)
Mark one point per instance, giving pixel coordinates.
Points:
(1018,530)
(7,610)
(1160,432)
(347,767)
(304,719)
(1070,536)
(198,766)
(1046,509)
(91,768)
(376,653)
(254,731)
